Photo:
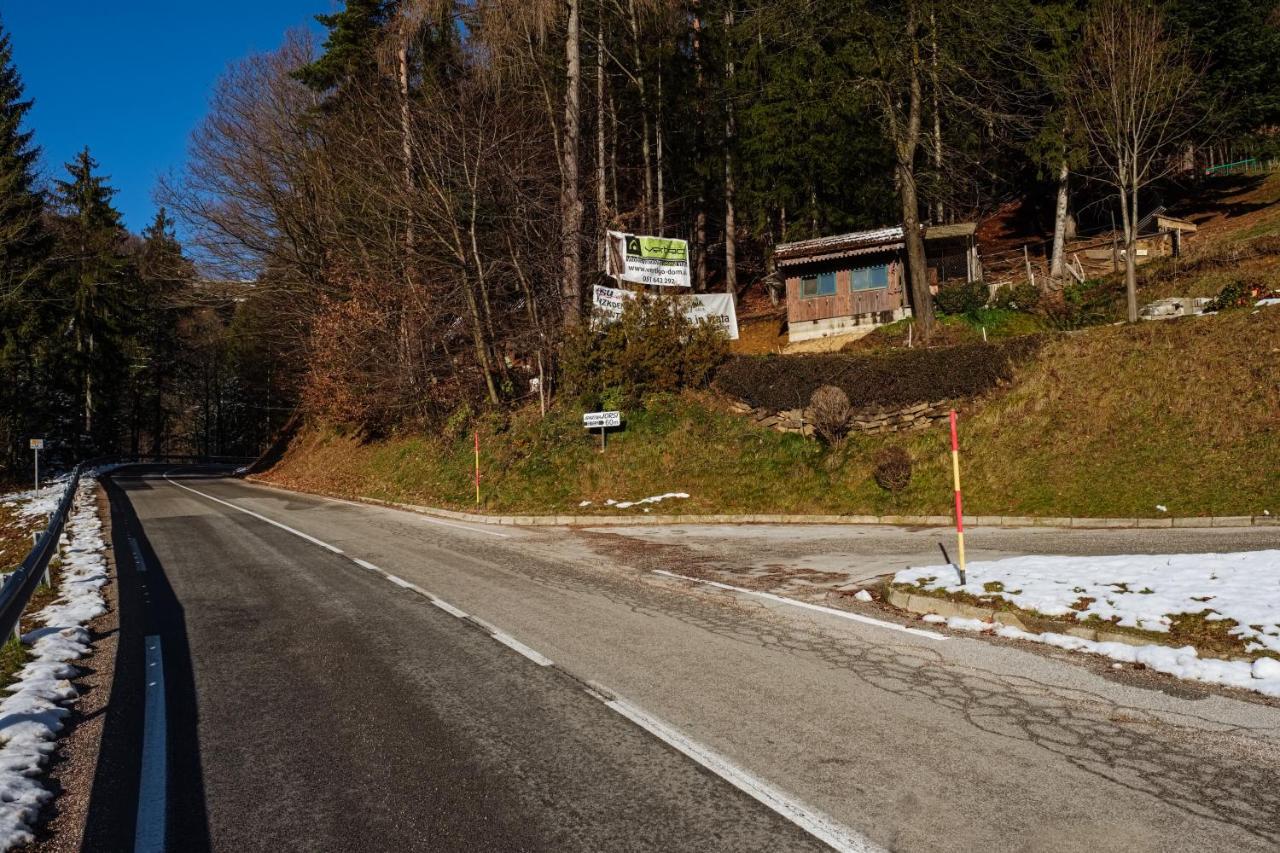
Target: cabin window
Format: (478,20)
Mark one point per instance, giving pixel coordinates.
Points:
(822,284)
(871,278)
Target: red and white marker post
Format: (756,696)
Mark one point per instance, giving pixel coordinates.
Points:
(955,470)
(477,467)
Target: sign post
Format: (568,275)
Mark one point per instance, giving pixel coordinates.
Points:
(601,420)
(37,444)
(955,470)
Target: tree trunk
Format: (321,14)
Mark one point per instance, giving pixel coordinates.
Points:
(1058,262)
(917,265)
(570,203)
(730,237)
(602,188)
(406,150)
(937,113)
(657,138)
(1128,221)
(644,114)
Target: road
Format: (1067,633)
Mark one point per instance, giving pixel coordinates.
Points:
(347,677)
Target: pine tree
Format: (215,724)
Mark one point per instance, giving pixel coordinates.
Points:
(163,275)
(24,248)
(349,49)
(92,283)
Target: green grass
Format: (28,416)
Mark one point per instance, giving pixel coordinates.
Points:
(13,657)
(1106,422)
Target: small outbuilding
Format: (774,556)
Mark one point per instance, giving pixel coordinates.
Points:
(850,282)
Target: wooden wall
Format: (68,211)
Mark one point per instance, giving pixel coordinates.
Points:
(845,302)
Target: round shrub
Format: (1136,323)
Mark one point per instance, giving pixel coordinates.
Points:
(830,411)
(961,298)
(893,469)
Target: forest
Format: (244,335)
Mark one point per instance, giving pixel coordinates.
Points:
(405,213)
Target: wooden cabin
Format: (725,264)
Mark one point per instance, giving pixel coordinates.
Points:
(854,282)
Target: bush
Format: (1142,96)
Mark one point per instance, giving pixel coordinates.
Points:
(897,378)
(1239,293)
(893,469)
(963,298)
(653,348)
(831,413)
(1017,297)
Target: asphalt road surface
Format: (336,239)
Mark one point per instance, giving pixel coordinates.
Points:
(334,677)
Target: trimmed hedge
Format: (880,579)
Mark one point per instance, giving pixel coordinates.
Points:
(898,378)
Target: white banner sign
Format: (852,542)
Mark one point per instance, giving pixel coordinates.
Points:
(718,308)
(648,260)
(598,420)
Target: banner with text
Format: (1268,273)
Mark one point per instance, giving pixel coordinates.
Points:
(716,308)
(648,260)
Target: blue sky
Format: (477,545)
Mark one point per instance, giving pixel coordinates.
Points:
(131,79)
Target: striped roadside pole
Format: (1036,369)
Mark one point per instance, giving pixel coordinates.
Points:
(477,467)
(955,470)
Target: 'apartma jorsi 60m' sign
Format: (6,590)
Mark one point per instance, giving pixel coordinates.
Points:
(648,260)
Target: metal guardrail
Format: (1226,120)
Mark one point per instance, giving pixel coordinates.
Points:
(23,581)
(19,586)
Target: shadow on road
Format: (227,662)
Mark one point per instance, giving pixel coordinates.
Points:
(147,606)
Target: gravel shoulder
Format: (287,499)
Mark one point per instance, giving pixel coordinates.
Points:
(72,769)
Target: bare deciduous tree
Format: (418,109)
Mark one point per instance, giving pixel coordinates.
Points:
(1133,96)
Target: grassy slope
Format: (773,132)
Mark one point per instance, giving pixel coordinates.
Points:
(1108,421)
(1111,421)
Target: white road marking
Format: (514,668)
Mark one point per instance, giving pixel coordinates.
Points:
(149,827)
(365,564)
(830,611)
(137,555)
(310,539)
(512,643)
(399,581)
(447,607)
(815,823)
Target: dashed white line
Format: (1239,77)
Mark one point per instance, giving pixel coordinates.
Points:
(512,643)
(830,611)
(270,521)
(815,823)
(137,555)
(447,607)
(399,581)
(365,564)
(149,826)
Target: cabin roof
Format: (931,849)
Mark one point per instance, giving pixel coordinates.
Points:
(838,246)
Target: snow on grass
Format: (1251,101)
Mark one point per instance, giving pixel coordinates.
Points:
(1134,591)
(33,505)
(1261,675)
(32,715)
(649,500)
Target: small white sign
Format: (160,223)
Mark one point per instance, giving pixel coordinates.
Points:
(597,420)
(37,444)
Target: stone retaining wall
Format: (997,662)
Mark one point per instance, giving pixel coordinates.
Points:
(871,421)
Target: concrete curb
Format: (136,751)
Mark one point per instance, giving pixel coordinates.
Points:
(924,604)
(1202,522)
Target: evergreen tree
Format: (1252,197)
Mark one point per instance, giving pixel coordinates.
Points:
(92,283)
(164,274)
(24,247)
(349,49)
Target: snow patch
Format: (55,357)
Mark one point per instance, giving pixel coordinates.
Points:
(1135,591)
(1261,676)
(32,715)
(862,595)
(649,500)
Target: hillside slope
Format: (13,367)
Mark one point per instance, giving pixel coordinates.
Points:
(1111,421)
